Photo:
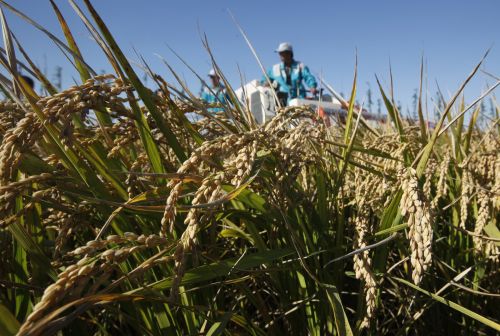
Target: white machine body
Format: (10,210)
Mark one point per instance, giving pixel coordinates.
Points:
(260,100)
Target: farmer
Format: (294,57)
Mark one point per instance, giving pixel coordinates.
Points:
(287,76)
(214,94)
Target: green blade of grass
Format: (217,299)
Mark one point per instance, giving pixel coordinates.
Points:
(83,71)
(341,321)
(470,129)
(220,268)
(8,323)
(493,232)
(453,305)
(392,111)
(33,249)
(9,49)
(421,119)
(185,122)
(426,152)
(38,74)
(54,38)
(141,90)
(350,111)
(103,118)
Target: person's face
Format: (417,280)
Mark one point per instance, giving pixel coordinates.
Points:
(286,57)
(214,80)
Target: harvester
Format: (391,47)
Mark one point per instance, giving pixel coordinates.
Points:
(262,103)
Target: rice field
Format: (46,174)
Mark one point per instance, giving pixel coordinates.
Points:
(121,216)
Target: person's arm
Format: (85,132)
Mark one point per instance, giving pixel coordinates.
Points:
(204,95)
(309,79)
(264,81)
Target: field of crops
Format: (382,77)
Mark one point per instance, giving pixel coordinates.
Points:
(121,216)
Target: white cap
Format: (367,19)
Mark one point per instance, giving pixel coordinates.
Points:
(285,46)
(212,73)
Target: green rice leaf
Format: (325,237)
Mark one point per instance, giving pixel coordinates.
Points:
(8,323)
(467,312)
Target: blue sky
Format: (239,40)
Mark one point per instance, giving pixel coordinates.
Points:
(451,35)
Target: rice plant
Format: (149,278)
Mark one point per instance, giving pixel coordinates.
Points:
(121,216)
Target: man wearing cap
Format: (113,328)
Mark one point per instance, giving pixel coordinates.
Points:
(287,76)
(216,93)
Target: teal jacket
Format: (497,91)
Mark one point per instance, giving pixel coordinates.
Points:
(219,96)
(294,88)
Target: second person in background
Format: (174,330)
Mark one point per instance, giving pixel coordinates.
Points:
(215,94)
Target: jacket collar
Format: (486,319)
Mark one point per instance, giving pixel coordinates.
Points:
(294,64)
